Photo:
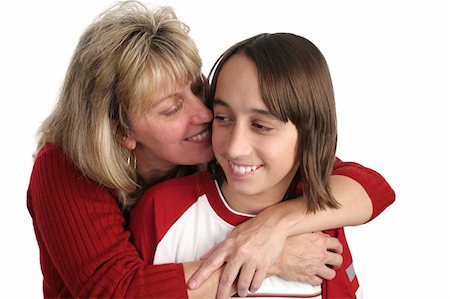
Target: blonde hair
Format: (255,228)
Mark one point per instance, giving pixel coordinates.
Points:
(121,60)
(295,85)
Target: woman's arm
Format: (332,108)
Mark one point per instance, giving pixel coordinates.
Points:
(361,192)
(380,193)
(85,249)
(291,216)
(253,247)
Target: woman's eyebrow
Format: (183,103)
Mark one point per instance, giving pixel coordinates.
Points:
(163,98)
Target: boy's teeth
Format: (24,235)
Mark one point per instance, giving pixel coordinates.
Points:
(242,169)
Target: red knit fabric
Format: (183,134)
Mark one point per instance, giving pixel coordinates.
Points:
(84,246)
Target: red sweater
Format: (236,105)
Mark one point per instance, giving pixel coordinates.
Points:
(84,244)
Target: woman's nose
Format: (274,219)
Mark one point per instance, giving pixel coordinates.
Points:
(200,114)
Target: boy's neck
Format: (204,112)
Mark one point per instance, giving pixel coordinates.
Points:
(250,204)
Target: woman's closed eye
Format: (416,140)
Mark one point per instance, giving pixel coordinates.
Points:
(174,108)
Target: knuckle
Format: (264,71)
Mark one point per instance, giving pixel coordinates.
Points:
(322,257)
(208,262)
(211,263)
(254,261)
(228,242)
(243,251)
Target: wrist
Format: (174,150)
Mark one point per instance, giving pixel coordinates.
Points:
(287,216)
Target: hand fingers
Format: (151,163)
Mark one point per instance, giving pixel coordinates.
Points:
(245,278)
(258,278)
(334,260)
(334,245)
(315,281)
(209,252)
(211,264)
(227,278)
(326,273)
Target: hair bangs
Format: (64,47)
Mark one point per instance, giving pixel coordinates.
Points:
(161,72)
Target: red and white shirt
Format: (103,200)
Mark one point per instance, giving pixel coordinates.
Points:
(181,219)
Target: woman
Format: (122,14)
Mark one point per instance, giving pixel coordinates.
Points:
(130,113)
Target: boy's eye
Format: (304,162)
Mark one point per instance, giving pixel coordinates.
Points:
(221,118)
(260,127)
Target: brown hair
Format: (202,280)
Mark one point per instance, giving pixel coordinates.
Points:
(295,84)
(118,65)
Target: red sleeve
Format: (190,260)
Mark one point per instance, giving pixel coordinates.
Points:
(378,189)
(84,247)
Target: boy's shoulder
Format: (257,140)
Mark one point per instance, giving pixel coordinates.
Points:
(167,201)
(177,191)
(179,184)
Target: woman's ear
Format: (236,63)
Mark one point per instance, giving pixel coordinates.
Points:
(128,141)
(125,138)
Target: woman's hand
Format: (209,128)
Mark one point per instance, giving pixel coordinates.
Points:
(252,251)
(310,258)
(249,251)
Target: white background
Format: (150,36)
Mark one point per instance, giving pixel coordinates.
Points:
(390,66)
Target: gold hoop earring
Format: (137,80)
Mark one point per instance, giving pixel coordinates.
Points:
(131,162)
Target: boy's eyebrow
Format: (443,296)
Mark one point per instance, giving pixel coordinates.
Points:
(263,112)
(219,102)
